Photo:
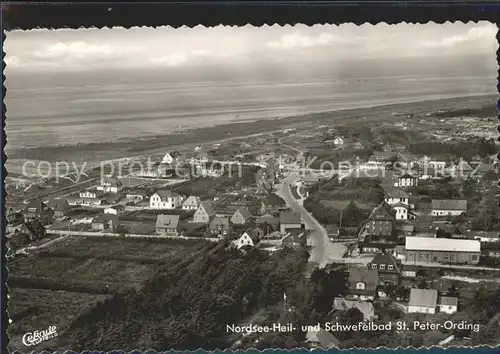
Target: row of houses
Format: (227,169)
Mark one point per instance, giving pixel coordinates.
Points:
(367,284)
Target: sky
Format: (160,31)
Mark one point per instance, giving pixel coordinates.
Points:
(64,50)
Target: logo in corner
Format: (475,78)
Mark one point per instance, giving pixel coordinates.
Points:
(33,338)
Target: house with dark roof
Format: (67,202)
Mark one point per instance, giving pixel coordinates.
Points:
(396,196)
(135,195)
(482,169)
(388,268)
(167,225)
(448,207)
(165,199)
(37,209)
(241,216)
(105,222)
(204,213)
(272,204)
(295,238)
(268,223)
(423,301)
(290,220)
(381,221)
(490,249)
(219,226)
(60,207)
(321,339)
(362,284)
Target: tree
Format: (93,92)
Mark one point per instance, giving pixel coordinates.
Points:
(453,291)
(351,316)
(423,284)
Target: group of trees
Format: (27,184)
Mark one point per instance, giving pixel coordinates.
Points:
(467,149)
(188,306)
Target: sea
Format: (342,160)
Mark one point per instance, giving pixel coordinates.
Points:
(57,113)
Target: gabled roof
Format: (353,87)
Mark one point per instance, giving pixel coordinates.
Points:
(254,231)
(167,221)
(367,276)
(464,166)
(485,167)
(423,297)
(244,212)
(208,206)
(36,203)
(273,200)
(382,212)
(323,338)
(396,193)
(449,204)
(366,308)
(448,301)
(310,177)
(253,235)
(387,259)
(111,181)
(294,236)
(290,217)
(192,200)
(219,221)
(166,193)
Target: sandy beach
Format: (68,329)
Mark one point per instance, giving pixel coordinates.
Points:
(128,148)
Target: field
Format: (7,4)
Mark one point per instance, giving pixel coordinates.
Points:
(53,287)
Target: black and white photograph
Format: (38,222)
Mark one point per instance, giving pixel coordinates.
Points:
(326,186)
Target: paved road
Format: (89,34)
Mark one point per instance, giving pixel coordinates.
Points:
(323,251)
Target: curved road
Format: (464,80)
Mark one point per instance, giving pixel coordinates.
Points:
(323,251)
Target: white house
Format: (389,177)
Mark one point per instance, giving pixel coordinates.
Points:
(406,180)
(246,240)
(448,207)
(167,159)
(91,193)
(397,196)
(338,141)
(402,212)
(422,301)
(448,304)
(191,203)
(109,185)
(115,210)
(165,199)
(110,211)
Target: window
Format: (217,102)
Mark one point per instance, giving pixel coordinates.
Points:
(450,307)
(360,285)
(374,266)
(474,257)
(390,267)
(382,266)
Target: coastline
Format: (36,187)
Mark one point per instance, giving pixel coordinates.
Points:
(133,147)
